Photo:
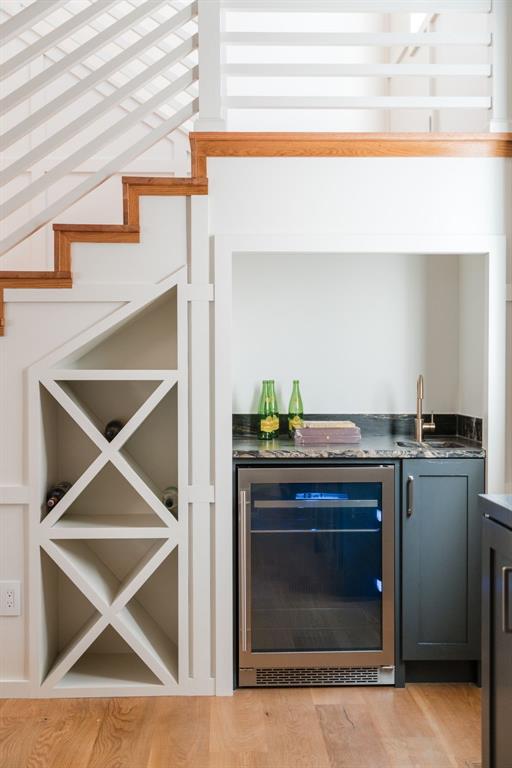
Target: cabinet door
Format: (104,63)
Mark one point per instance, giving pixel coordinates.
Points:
(497,646)
(441,559)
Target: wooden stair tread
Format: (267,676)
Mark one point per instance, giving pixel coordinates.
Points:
(134,187)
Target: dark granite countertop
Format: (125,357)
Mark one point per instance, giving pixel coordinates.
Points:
(370,447)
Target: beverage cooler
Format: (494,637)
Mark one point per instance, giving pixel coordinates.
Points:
(316,576)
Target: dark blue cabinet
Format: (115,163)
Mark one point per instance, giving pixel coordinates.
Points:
(497,632)
(441,559)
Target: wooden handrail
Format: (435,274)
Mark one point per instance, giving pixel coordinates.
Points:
(228,144)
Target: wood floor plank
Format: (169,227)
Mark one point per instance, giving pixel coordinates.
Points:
(293,730)
(124,735)
(56,742)
(181,733)
(406,735)
(16,739)
(454,714)
(350,734)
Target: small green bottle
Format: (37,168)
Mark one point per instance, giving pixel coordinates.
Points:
(265,426)
(295,410)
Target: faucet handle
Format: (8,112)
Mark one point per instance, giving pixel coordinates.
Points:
(430,425)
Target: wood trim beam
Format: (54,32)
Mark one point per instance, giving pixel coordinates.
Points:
(247,144)
(134,187)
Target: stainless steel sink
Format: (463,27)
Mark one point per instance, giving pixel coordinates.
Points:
(444,443)
(441,444)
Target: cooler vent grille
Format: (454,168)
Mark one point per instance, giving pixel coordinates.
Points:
(317,676)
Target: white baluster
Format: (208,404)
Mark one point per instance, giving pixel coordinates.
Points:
(211,76)
(501,119)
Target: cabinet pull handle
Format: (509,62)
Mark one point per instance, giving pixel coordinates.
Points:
(410,495)
(242,527)
(505,571)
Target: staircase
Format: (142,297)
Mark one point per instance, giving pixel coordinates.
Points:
(86,77)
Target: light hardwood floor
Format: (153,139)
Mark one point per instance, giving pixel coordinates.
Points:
(423,726)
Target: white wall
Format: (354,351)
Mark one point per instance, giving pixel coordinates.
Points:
(355,329)
(472,334)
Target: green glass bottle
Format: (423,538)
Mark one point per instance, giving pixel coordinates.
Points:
(295,410)
(274,408)
(265,426)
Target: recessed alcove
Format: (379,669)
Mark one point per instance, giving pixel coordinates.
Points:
(67,450)
(103,400)
(152,450)
(155,620)
(358,329)
(146,340)
(109,662)
(109,501)
(106,566)
(66,613)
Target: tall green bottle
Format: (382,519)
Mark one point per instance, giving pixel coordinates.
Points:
(274,407)
(295,410)
(266,412)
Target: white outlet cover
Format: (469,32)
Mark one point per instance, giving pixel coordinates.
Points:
(10,598)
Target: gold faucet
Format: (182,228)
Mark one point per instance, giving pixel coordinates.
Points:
(419,422)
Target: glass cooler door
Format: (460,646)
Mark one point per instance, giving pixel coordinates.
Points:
(316,566)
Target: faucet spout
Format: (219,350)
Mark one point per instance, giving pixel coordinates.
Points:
(419,421)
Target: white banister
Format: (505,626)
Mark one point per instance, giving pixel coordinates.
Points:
(89,149)
(374,39)
(211,96)
(54,106)
(359,102)
(502,66)
(25,19)
(358,70)
(95,179)
(361,6)
(56,70)
(75,127)
(61,32)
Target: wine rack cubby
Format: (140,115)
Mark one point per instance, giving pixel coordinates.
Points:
(111,558)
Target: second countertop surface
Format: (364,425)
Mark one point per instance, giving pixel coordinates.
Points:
(370,447)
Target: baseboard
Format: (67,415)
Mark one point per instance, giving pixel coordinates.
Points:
(442,672)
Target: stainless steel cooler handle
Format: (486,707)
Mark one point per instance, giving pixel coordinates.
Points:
(505,571)
(242,527)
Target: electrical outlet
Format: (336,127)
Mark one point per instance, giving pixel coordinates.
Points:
(10,598)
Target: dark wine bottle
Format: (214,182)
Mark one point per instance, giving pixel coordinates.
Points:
(56,493)
(170,498)
(112,429)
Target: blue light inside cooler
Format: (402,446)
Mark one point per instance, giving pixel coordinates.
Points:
(319,495)
(378,584)
(379,515)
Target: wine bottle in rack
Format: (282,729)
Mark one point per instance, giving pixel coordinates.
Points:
(56,493)
(170,498)
(112,429)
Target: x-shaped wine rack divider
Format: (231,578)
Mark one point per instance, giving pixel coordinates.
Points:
(111,612)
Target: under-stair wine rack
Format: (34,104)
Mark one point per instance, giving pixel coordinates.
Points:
(111,559)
